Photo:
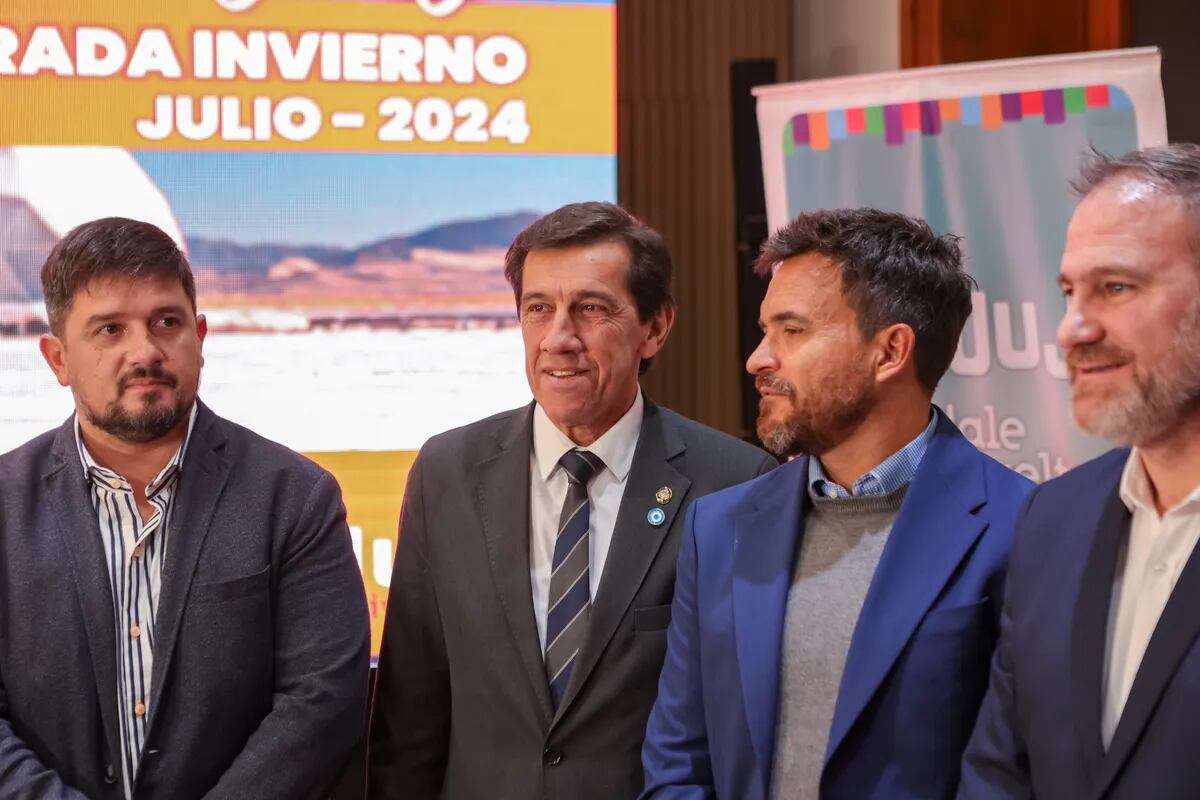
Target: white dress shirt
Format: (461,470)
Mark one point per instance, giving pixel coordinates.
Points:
(1148,566)
(135,551)
(548,490)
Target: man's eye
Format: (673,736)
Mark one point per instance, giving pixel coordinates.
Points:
(1116,287)
(108,330)
(535,308)
(169,322)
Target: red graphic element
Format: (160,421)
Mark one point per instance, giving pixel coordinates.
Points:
(910,116)
(1097,96)
(856,120)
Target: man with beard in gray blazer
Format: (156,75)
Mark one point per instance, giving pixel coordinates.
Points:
(181,614)
(535,568)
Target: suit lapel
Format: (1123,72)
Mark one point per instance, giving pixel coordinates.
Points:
(1089,631)
(635,542)
(933,532)
(79,531)
(201,481)
(765,544)
(1174,635)
(502,493)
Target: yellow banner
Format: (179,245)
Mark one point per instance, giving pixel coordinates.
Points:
(373,488)
(309,75)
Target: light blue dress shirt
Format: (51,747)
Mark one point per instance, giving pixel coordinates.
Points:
(895,471)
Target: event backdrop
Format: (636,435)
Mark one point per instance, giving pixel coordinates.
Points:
(984,151)
(345,176)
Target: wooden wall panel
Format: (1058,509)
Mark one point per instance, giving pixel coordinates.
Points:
(954,31)
(675,171)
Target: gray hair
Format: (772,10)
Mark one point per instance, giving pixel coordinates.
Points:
(1173,169)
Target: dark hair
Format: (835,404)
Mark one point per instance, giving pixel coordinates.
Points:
(113,247)
(1171,168)
(895,269)
(650,270)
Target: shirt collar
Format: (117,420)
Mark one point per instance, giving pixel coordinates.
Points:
(111,480)
(895,471)
(615,447)
(1136,491)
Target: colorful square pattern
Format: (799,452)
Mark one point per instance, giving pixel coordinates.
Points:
(893,123)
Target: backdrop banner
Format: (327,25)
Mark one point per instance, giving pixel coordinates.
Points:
(345,177)
(986,152)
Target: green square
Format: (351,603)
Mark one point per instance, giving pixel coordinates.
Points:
(789,141)
(1075,100)
(874,120)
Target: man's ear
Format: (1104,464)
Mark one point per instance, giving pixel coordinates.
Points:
(660,327)
(201,331)
(55,353)
(896,350)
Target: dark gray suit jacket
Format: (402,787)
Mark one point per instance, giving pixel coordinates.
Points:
(462,708)
(261,640)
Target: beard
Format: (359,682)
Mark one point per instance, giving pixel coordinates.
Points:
(1160,397)
(823,421)
(153,420)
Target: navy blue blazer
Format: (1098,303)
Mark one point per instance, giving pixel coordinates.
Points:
(1039,728)
(917,665)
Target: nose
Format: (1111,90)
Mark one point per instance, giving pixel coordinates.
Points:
(144,348)
(762,360)
(1078,326)
(562,336)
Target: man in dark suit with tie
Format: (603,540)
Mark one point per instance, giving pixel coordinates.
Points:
(833,620)
(181,615)
(532,584)
(1095,688)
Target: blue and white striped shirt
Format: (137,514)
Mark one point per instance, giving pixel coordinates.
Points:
(895,471)
(135,551)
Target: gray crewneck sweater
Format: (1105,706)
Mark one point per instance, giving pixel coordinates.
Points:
(842,544)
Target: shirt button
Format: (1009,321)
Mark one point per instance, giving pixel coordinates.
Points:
(135,631)
(552,757)
(137,552)
(139,709)
(110,774)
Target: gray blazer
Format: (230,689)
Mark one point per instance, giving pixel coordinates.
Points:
(462,708)
(261,641)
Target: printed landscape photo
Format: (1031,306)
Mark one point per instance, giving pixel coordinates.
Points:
(364,291)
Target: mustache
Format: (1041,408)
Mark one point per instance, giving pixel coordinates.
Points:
(1095,353)
(155,372)
(774,383)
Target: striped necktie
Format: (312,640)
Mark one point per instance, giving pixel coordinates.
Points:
(570,580)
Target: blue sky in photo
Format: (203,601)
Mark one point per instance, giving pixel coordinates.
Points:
(350,199)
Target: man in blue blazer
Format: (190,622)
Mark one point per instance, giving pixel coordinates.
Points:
(833,620)
(1095,687)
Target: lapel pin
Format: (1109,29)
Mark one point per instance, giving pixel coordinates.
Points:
(656,516)
(664,495)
